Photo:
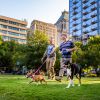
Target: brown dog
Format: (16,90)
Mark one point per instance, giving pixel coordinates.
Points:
(36,78)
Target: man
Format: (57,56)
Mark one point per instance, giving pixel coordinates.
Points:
(66,48)
(51,58)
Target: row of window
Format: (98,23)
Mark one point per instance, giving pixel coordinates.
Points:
(89,21)
(84,7)
(91,26)
(6,38)
(91,8)
(79,33)
(89,12)
(11,22)
(84,12)
(75,8)
(92,16)
(12,33)
(78,24)
(79,15)
(85,31)
(90,2)
(76,2)
(12,28)
(85,27)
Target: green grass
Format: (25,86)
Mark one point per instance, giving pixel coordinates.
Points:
(17,88)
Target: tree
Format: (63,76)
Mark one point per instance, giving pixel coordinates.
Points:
(36,46)
(1,40)
(20,54)
(10,53)
(88,55)
(92,54)
(7,49)
(77,53)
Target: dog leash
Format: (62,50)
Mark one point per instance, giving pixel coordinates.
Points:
(39,67)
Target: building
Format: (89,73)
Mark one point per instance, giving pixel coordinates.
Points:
(13,29)
(49,29)
(62,25)
(84,19)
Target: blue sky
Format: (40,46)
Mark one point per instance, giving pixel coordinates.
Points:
(44,10)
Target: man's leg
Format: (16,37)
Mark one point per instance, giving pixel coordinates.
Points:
(69,59)
(61,72)
(71,82)
(52,63)
(47,67)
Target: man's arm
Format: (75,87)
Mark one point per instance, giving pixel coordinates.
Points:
(73,48)
(60,48)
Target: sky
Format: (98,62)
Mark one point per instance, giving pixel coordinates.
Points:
(44,10)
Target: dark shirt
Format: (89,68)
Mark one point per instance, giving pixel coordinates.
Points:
(64,46)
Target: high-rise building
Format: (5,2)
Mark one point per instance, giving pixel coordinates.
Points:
(62,25)
(84,18)
(13,29)
(48,28)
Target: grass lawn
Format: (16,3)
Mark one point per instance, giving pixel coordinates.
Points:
(17,88)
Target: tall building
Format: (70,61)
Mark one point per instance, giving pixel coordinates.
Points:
(49,29)
(84,18)
(62,25)
(13,29)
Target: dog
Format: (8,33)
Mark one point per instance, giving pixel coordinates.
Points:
(36,78)
(73,69)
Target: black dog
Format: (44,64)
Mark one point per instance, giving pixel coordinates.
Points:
(73,69)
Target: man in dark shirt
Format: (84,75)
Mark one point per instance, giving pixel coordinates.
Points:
(66,49)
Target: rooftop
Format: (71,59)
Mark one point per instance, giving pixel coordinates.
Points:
(13,19)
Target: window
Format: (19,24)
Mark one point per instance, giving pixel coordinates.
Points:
(3,26)
(93,33)
(22,40)
(5,38)
(22,30)
(2,20)
(4,32)
(15,39)
(13,33)
(13,28)
(23,35)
